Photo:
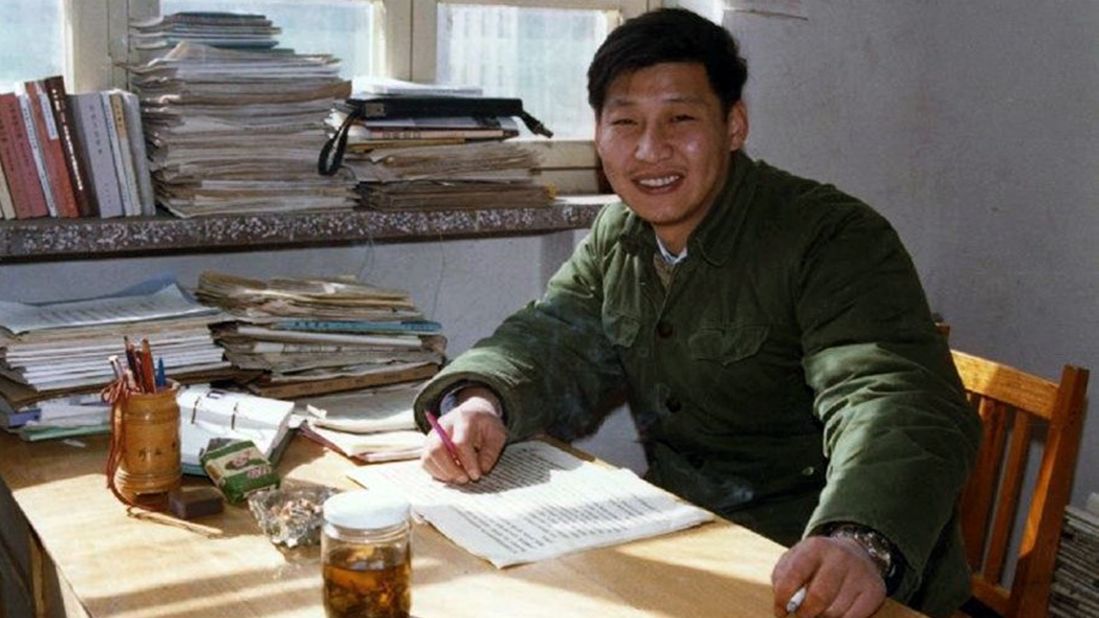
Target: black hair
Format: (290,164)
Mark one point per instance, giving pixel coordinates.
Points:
(669,35)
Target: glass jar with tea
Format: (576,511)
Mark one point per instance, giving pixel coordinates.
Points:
(366,555)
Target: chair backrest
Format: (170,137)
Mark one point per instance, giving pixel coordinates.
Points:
(1012,404)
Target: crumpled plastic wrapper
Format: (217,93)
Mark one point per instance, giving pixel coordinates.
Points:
(291,516)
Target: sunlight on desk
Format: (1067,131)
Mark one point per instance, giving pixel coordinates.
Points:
(94,560)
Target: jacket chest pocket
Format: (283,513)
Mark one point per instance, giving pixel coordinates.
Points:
(729,344)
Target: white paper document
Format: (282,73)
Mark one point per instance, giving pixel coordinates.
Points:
(538,502)
(165,303)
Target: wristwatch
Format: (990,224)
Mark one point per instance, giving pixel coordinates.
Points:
(880,549)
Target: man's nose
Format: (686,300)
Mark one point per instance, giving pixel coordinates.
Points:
(653,144)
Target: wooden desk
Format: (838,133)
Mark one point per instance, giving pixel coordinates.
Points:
(89,558)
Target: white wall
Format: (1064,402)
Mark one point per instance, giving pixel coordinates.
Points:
(974,127)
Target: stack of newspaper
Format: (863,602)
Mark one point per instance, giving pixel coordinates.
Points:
(233,127)
(320,335)
(1075,589)
(52,354)
(435,162)
(154,37)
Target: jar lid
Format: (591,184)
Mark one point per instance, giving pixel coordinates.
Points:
(365,509)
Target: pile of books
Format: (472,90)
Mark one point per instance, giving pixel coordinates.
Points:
(234,126)
(80,155)
(154,37)
(322,335)
(1075,590)
(405,158)
(52,355)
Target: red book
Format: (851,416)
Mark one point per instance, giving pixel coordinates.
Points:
(18,161)
(75,160)
(53,155)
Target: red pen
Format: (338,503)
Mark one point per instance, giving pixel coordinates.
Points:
(450,448)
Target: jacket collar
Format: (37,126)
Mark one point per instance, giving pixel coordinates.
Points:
(720,223)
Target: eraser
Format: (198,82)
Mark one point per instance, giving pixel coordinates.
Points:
(192,502)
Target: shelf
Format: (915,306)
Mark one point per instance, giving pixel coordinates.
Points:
(53,239)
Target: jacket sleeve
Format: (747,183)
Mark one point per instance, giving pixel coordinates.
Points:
(549,363)
(898,433)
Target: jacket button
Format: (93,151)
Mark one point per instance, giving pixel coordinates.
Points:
(664,329)
(673,404)
(808,470)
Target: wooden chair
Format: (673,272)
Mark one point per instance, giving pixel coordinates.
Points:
(1012,404)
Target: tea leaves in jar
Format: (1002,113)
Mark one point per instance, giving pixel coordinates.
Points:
(368,582)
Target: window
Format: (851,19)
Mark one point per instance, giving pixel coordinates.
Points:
(539,55)
(31,41)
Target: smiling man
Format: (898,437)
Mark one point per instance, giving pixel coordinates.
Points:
(769,332)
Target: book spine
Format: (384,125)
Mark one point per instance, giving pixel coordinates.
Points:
(129,207)
(91,126)
(75,161)
(7,208)
(132,110)
(53,154)
(18,161)
(36,152)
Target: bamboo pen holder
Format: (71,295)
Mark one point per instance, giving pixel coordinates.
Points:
(145,429)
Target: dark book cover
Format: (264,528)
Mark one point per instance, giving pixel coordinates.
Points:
(75,160)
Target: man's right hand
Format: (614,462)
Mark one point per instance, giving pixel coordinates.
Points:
(478,433)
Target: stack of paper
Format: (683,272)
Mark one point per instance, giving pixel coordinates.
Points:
(58,417)
(313,336)
(368,425)
(1075,590)
(156,36)
(436,162)
(51,351)
(237,129)
(538,502)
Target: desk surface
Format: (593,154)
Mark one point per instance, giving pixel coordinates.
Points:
(118,565)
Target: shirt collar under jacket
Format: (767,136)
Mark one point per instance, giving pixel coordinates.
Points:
(720,224)
(669,258)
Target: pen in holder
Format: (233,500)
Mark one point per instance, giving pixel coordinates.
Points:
(144,461)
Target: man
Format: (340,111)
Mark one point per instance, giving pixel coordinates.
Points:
(770,334)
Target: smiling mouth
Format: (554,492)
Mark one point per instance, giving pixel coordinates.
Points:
(660,182)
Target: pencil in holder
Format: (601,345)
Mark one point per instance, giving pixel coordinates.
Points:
(144,463)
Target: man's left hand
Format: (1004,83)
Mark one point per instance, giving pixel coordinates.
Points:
(840,578)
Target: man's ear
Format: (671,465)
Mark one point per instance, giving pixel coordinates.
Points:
(737,123)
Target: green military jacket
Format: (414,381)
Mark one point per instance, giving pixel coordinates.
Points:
(788,376)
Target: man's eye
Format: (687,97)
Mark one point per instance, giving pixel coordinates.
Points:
(622,122)
(682,118)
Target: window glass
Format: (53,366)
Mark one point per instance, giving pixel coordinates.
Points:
(539,55)
(343,28)
(31,45)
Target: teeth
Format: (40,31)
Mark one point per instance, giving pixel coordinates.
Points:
(658,182)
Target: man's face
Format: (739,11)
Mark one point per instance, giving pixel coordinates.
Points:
(665,145)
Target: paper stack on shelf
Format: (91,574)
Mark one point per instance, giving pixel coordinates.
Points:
(154,37)
(50,352)
(322,335)
(1075,590)
(367,425)
(236,129)
(422,161)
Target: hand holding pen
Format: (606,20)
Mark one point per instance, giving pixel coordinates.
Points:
(469,445)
